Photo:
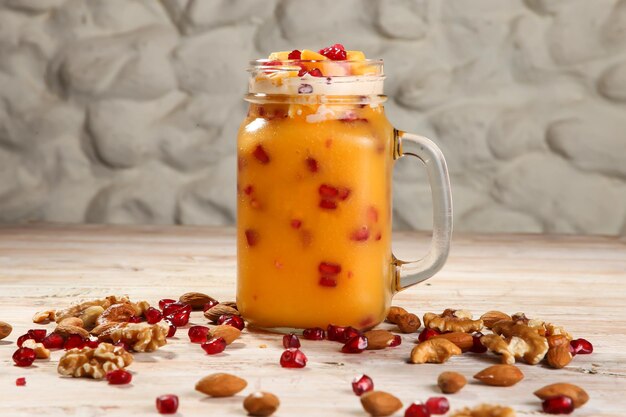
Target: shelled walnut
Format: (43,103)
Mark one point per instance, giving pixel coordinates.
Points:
(485,410)
(452,321)
(141,337)
(76,309)
(94,363)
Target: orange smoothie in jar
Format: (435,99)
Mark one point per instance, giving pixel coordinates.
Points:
(314,199)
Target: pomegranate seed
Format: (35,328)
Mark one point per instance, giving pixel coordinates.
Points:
(328,268)
(92,342)
(20,382)
(165,302)
(179,309)
(416,410)
(214,346)
(74,341)
(302,72)
(295,54)
(167,404)
(291,341)
(248,190)
(293,358)
(172,330)
(477,346)
(311,163)
(334,332)
(198,334)
(178,319)
(153,315)
(348,333)
(560,404)
(581,347)
(326,281)
(22,339)
(360,234)
(37,334)
(119,377)
(24,357)
(260,154)
(209,305)
(53,341)
(362,384)
(234,321)
(397,340)
(427,334)
(378,236)
(123,345)
(328,204)
(328,191)
(335,52)
(315,72)
(356,344)
(295,223)
(252,237)
(344,193)
(314,333)
(372,214)
(437,405)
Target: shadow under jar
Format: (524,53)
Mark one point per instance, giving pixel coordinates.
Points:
(315,159)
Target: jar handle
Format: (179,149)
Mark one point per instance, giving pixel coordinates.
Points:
(411,273)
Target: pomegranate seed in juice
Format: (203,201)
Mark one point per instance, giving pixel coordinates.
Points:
(74,341)
(37,334)
(293,358)
(248,190)
(316,72)
(53,341)
(165,302)
(344,193)
(260,154)
(24,357)
(416,410)
(329,268)
(437,405)
(326,281)
(396,341)
(252,237)
(362,384)
(372,214)
(20,382)
(209,305)
(312,164)
(314,333)
(291,341)
(328,204)
(560,404)
(334,52)
(361,234)
(214,346)
(167,404)
(427,334)
(328,191)
(153,315)
(295,54)
(119,377)
(477,346)
(296,223)
(581,347)
(235,321)
(357,344)
(348,333)
(198,334)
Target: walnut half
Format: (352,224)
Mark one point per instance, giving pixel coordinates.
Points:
(452,321)
(141,337)
(485,410)
(94,363)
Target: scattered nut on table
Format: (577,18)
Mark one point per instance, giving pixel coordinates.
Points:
(485,410)
(492,317)
(141,337)
(221,385)
(196,300)
(261,404)
(5,329)
(500,375)
(43,317)
(451,382)
(452,321)
(578,395)
(221,309)
(380,403)
(226,332)
(41,352)
(94,363)
(527,342)
(435,350)
(378,339)
(559,354)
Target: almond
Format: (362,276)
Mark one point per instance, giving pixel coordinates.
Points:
(72,321)
(67,329)
(408,323)
(214,313)
(5,329)
(492,317)
(380,403)
(577,394)
(221,385)
(378,339)
(394,313)
(261,404)
(463,340)
(451,382)
(196,300)
(227,332)
(500,375)
(559,357)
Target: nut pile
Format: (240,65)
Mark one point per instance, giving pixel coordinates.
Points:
(100,337)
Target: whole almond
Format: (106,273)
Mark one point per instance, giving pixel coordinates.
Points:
(492,317)
(558,355)
(380,403)
(500,375)
(221,309)
(72,321)
(378,339)
(5,329)
(577,394)
(463,340)
(394,313)
(221,385)
(261,404)
(196,300)
(227,332)
(451,382)
(408,323)
(66,330)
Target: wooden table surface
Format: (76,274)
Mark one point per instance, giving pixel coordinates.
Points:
(577,282)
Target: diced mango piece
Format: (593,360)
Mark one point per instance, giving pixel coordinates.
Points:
(279,56)
(308,55)
(355,56)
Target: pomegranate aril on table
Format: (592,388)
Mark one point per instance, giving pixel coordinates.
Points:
(560,404)
(397,341)
(37,334)
(291,341)
(437,405)
(581,347)
(417,410)
(167,404)
(252,237)
(293,358)
(24,357)
(172,330)
(235,321)
(119,377)
(356,344)
(477,345)
(153,315)
(92,342)
(427,334)
(53,341)
(22,339)
(20,382)
(74,341)
(198,334)
(214,346)
(165,302)
(362,384)
(314,333)
(209,305)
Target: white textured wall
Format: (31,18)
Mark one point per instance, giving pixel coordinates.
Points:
(126,111)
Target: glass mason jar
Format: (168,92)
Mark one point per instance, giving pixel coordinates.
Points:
(315,160)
